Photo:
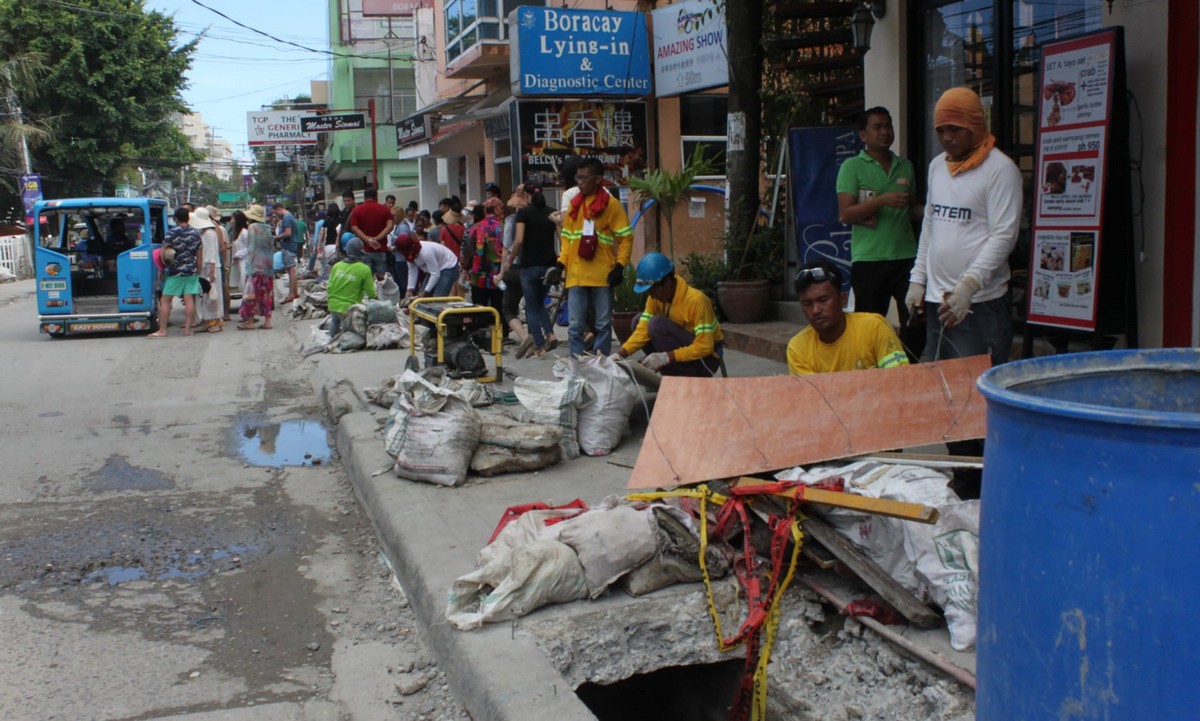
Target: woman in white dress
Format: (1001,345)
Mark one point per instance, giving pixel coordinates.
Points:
(211,307)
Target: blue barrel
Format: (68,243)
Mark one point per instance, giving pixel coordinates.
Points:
(1089,556)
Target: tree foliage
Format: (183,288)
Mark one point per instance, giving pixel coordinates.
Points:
(113,80)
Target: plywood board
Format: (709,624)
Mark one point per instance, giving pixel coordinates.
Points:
(708,428)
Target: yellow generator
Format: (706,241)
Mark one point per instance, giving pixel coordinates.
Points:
(463,331)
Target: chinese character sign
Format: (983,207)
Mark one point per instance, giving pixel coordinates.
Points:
(550,131)
(557,51)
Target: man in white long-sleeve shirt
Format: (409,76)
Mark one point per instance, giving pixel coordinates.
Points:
(439,263)
(972,217)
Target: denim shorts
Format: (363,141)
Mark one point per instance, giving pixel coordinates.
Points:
(289,259)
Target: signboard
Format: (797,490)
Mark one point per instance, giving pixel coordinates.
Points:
(414,129)
(31,192)
(689,47)
(276,127)
(548,131)
(393,8)
(556,51)
(1074,128)
(331,123)
(814,157)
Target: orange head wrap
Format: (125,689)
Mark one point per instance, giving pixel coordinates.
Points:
(963,108)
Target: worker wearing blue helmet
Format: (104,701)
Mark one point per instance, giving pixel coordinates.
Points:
(678,330)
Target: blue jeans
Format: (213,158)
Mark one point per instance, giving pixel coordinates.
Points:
(581,299)
(445,282)
(988,329)
(536,317)
(335,323)
(399,269)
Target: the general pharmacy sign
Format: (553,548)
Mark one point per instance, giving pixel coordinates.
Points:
(560,52)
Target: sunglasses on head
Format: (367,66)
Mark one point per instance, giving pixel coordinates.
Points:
(814,275)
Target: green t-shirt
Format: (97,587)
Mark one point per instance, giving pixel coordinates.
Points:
(348,283)
(888,235)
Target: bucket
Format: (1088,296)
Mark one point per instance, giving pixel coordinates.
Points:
(1089,557)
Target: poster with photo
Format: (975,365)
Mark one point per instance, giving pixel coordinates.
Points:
(1063,277)
(1076,81)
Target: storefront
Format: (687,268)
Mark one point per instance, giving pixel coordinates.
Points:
(920,48)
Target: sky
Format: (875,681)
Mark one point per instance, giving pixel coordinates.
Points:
(235,70)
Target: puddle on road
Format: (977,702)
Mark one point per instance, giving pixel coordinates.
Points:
(186,567)
(291,443)
(118,474)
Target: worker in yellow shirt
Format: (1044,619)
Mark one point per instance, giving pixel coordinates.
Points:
(596,244)
(834,339)
(678,330)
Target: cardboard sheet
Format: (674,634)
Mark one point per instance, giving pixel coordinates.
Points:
(707,428)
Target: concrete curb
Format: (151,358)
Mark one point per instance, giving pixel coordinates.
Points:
(497,674)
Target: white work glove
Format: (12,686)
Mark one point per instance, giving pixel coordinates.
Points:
(958,301)
(915,299)
(616,357)
(656,361)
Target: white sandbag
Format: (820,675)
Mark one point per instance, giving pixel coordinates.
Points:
(381,336)
(947,559)
(318,339)
(432,435)
(388,292)
(523,437)
(555,403)
(610,543)
(603,421)
(881,538)
(534,575)
(525,529)
(490,460)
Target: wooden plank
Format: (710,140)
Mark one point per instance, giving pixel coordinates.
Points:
(708,428)
(865,504)
(925,460)
(917,613)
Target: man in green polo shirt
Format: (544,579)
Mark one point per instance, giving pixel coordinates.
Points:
(874,192)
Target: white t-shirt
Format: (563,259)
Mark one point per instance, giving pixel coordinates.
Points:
(970,227)
(567,196)
(433,258)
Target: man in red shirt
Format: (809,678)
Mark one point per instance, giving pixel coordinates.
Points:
(371,222)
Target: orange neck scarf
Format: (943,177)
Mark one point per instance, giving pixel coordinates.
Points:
(974,158)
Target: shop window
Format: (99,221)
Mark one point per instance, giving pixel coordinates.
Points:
(702,121)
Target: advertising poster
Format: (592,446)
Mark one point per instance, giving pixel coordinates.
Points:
(689,48)
(548,131)
(31,192)
(814,157)
(561,51)
(1076,81)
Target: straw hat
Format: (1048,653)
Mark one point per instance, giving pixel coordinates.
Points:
(200,219)
(256,214)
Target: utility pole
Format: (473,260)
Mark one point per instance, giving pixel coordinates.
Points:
(745,26)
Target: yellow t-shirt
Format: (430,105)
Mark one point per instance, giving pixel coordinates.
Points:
(869,342)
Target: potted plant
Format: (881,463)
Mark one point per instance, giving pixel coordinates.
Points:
(754,262)
(627,305)
(668,189)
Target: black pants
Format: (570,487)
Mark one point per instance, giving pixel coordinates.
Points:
(875,284)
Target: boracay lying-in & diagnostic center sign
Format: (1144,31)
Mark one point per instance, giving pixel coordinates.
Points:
(559,52)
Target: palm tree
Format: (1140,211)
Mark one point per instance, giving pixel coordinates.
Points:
(667,189)
(19,72)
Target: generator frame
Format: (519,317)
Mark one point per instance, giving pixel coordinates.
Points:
(415,313)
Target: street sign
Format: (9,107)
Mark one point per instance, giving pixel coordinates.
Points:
(331,123)
(276,127)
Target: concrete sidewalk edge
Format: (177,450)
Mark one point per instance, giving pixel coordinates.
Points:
(497,675)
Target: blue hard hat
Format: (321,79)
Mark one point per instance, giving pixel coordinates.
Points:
(346,238)
(652,268)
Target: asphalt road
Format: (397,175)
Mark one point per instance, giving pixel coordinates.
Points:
(167,551)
